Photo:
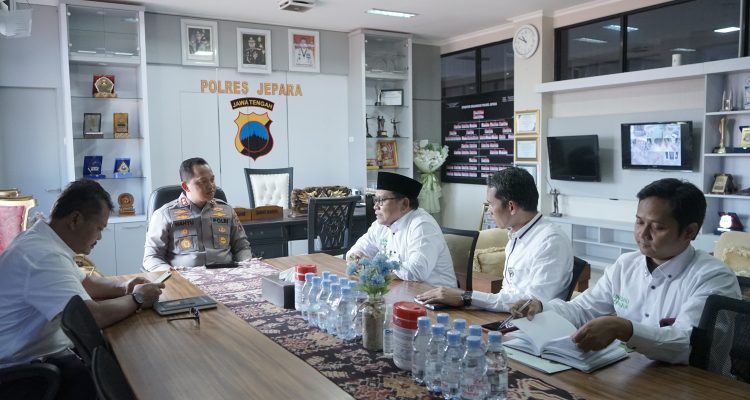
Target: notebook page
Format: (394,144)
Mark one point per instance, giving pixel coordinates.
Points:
(545,327)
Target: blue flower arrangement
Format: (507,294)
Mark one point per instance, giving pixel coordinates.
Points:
(374,275)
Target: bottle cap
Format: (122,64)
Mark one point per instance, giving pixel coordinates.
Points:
(459,324)
(438,330)
(309,276)
(495,337)
(316,280)
(454,337)
(475,330)
(335,287)
(473,342)
(346,291)
(442,318)
(423,322)
(406,313)
(326,284)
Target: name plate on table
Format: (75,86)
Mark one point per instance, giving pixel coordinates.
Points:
(278,292)
(262,213)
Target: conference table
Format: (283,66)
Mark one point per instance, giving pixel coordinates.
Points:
(225,357)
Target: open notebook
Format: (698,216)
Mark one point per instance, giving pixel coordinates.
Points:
(548,336)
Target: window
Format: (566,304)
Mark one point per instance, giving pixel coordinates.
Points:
(590,50)
(459,74)
(484,69)
(496,67)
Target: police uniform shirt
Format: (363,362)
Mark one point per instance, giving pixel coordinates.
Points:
(673,294)
(181,234)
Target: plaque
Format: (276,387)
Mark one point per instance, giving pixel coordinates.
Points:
(120,126)
(122,168)
(391,97)
(125,201)
(92,167)
(104,86)
(745,137)
(723,184)
(92,126)
(729,221)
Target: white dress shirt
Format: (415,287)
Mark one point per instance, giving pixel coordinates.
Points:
(538,263)
(39,276)
(417,242)
(676,289)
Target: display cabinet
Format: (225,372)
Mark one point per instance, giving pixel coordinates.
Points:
(105,108)
(380,106)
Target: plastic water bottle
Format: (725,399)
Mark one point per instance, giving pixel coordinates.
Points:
(312,305)
(359,298)
(305,301)
(473,370)
(333,305)
(497,367)
(326,274)
(322,301)
(459,324)
(433,367)
(451,373)
(388,331)
(419,349)
(476,330)
(333,278)
(345,314)
(344,281)
(442,318)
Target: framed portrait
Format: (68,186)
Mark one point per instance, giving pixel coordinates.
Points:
(92,125)
(487,221)
(200,42)
(526,150)
(526,122)
(387,153)
(304,51)
(253,50)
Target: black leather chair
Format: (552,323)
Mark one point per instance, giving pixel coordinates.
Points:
(461,244)
(165,194)
(578,266)
(329,224)
(79,325)
(255,198)
(720,343)
(109,379)
(29,382)
(369,209)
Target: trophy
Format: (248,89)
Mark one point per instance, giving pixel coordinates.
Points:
(125,201)
(104,86)
(120,125)
(381,127)
(726,101)
(122,168)
(556,211)
(92,167)
(395,127)
(722,130)
(367,124)
(729,221)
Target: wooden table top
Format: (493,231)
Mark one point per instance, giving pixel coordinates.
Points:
(635,377)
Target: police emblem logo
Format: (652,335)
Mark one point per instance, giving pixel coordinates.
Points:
(184,231)
(182,216)
(186,243)
(223,240)
(253,137)
(218,214)
(222,229)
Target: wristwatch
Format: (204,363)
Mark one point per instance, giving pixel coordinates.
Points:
(466,298)
(138,299)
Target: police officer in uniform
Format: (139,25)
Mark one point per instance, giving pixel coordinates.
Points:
(195,229)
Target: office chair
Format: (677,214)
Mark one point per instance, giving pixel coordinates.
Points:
(269,186)
(461,244)
(733,249)
(579,265)
(369,209)
(14,212)
(29,381)
(109,379)
(165,194)
(329,224)
(720,343)
(80,327)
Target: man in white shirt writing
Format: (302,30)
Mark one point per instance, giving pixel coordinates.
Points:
(651,298)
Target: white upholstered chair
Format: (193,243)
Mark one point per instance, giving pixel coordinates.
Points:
(269,186)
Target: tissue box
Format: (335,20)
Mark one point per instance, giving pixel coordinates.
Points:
(278,292)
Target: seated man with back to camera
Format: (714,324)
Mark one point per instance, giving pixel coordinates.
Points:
(195,229)
(652,298)
(539,256)
(40,275)
(404,232)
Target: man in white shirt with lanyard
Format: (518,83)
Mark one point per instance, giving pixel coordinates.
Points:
(39,276)
(652,298)
(539,257)
(404,232)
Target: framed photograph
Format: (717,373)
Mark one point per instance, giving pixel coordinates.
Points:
(200,42)
(387,154)
(304,51)
(745,136)
(253,50)
(92,125)
(531,168)
(526,150)
(526,122)
(487,221)
(391,97)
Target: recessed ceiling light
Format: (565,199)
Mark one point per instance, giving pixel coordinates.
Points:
(727,29)
(616,28)
(683,49)
(589,40)
(398,14)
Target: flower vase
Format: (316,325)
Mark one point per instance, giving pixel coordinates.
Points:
(373,311)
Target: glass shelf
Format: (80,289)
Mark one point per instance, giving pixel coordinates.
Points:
(94,31)
(104,98)
(108,138)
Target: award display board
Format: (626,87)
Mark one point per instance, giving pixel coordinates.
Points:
(478,130)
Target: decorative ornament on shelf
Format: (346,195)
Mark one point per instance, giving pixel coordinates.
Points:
(428,158)
(374,277)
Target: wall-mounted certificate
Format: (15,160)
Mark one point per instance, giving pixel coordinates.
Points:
(122,168)
(392,97)
(104,86)
(92,167)
(92,126)
(120,126)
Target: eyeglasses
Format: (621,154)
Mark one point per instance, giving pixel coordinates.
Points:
(378,201)
(195,315)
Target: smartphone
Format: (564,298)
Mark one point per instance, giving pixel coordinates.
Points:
(166,275)
(493,326)
(431,306)
(233,264)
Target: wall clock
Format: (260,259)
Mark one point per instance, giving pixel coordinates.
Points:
(526,41)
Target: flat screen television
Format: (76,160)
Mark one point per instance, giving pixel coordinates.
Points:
(574,158)
(658,145)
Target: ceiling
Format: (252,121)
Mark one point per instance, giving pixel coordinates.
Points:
(437,22)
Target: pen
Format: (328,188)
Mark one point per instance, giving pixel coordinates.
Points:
(510,317)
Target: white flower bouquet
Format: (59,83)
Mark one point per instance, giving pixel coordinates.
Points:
(428,158)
